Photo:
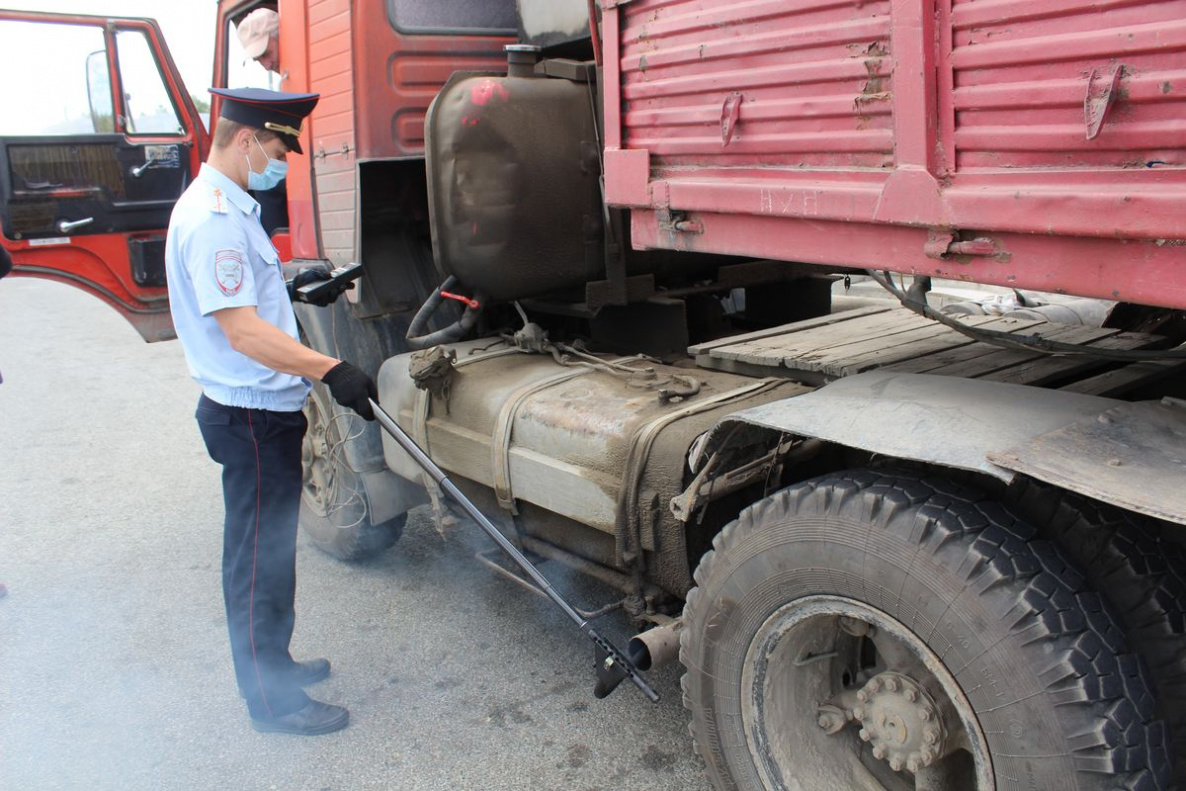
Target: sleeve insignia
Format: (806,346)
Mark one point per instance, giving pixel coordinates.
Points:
(228,271)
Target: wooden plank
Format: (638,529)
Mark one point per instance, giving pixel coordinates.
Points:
(1121,380)
(1000,359)
(875,347)
(773,348)
(815,340)
(969,350)
(947,338)
(1051,368)
(819,321)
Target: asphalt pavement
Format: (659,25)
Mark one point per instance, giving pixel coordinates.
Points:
(115,671)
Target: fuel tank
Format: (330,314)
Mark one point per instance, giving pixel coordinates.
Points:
(603,448)
(513,163)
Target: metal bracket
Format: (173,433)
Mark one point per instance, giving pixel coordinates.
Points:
(345,150)
(677,222)
(941,244)
(937,243)
(730,113)
(1097,102)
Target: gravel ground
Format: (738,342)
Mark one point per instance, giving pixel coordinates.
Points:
(114,665)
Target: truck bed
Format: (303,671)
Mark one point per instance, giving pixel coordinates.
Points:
(1022,144)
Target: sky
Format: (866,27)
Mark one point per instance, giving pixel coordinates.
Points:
(188,27)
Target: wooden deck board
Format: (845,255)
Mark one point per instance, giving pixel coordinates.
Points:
(819,321)
(1119,381)
(880,351)
(1049,369)
(968,349)
(995,358)
(817,340)
(897,339)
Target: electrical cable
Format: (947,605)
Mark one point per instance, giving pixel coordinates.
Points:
(1029,343)
(338,503)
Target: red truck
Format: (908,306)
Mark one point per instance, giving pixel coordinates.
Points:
(892,549)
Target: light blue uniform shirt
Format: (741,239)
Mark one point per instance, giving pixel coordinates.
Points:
(217,256)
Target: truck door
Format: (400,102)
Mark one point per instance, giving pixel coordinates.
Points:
(95,148)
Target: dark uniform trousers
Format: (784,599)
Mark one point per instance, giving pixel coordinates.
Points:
(260,454)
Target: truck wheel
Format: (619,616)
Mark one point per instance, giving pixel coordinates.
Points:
(890,631)
(1124,557)
(334,511)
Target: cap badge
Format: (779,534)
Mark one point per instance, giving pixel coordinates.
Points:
(282,129)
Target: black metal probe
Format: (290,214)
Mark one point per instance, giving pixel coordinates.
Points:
(613,666)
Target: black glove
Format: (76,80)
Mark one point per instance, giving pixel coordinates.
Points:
(309,276)
(351,387)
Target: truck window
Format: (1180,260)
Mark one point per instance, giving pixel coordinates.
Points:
(453,16)
(150,109)
(56,102)
(241,71)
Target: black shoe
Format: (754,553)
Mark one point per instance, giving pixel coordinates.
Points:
(305,673)
(314,719)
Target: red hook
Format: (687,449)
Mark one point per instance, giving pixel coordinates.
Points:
(472,303)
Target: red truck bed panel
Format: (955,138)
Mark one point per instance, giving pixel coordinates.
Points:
(885,133)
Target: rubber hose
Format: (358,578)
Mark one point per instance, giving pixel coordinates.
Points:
(454,332)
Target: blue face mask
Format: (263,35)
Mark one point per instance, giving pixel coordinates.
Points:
(274,171)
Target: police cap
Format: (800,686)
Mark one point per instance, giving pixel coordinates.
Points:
(276,111)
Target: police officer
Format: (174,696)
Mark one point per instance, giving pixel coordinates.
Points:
(233,313)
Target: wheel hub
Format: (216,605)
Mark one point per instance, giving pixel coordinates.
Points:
(822,663)
(900,721)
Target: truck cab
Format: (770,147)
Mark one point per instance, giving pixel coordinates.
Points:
(94,158)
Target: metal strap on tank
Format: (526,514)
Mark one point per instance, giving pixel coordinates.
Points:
(640,452)
(500,447)
(421,414)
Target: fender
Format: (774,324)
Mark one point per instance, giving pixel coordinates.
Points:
(1129,455)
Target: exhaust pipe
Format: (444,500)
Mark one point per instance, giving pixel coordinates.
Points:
(656,647)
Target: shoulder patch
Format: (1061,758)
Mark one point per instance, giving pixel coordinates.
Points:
(228,271)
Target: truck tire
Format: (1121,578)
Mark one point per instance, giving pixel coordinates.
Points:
(1139,574)
(889,630)
(334,512)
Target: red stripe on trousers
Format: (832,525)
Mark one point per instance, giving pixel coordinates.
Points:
(254,555)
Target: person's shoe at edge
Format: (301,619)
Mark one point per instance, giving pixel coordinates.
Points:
(315,719)
(310,671)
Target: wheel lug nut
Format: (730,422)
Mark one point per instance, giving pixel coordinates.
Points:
(874,685)
(896,764)
(925,714)
(879,752)
(865,735)
(862,695)
(891,684)
(911,695)
(913,763)
(931,735)
(858,713)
